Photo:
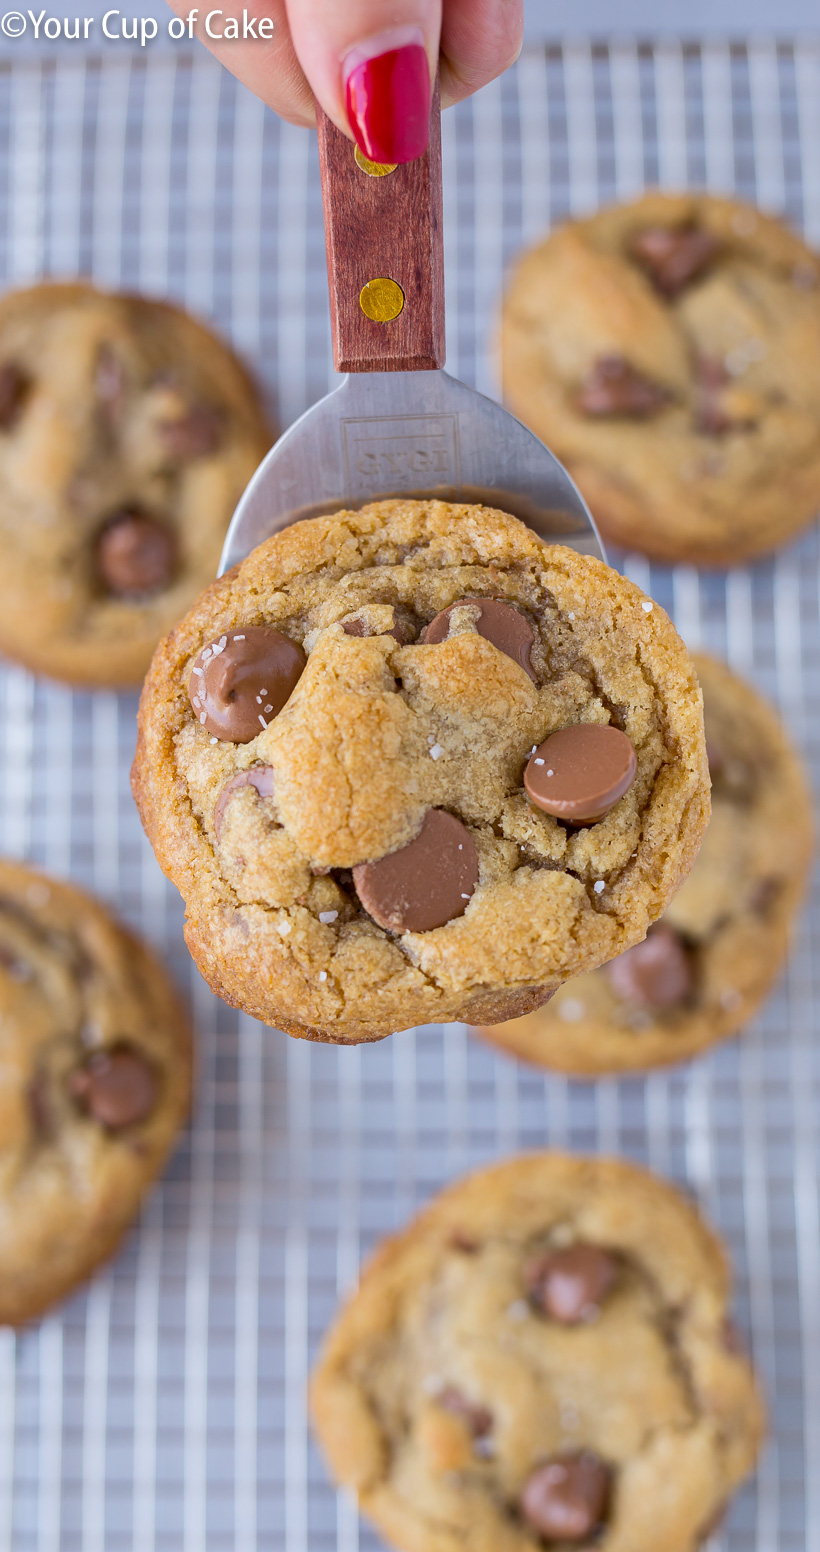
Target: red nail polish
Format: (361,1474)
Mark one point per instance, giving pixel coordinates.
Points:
(388,104)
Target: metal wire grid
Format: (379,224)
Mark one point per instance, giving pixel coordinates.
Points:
(164,1407)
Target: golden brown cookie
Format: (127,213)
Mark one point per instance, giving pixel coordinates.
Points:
(128,432)
(543,1356)
(96,1063)
(704,970)
(339,796)
(668,351)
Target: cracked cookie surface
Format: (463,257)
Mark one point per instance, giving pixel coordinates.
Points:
(380,730)
(728,926)
(128,432)
(668,351)
(548,1315)
(96,1061)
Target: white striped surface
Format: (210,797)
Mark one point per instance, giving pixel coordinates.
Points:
(165,1407)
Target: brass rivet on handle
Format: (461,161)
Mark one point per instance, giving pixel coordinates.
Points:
(373,169)
(381,300)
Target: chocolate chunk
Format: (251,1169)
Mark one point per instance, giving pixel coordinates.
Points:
(404,628)
(13,385)
(579,773)
(464,1243)
(194,434)
(711,416)
(764,894)
(424,884)
(567,1498)
(570,1285)
(258,776)
(612,387)
(117,1087)
(136,555)
(240,682)
(478,1419)
(674,256)
(655,974)
(499,622)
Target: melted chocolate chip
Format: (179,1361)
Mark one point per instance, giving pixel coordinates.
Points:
(404,628)
(764,894)
(566,1499)
(240,682)
(656,974)
(580,773)
(478,1419)
(136,555)
(194,434)
(117,1087)
(613,388)
(424,884)
(570,1285)
(711,416)
(13,386)
(674,256)
(464,1243)
(258,776)
(498,622)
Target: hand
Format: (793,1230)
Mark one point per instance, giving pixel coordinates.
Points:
(369,62)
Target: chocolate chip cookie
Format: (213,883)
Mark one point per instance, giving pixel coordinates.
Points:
(127,434)
(96,1063)
(543,1357)
(410,763)
(668,351)
(702,972)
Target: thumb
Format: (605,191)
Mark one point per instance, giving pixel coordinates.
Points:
(372,81)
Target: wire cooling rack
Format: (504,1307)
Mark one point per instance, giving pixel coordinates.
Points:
(164,1406)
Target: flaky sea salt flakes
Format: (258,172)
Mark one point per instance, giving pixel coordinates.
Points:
(599,886)
(539,762)
(214,740)
(239,638)
(571,615)
(571,1010)
(327,917)
(283,928)
(322,975)
(436,752)
(647,606)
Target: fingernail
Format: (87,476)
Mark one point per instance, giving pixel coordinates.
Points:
(387,89)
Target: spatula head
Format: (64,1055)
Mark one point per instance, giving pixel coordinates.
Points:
(382,434)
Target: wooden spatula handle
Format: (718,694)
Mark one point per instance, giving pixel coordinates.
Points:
(384,228)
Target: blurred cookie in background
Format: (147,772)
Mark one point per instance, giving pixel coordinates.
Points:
(95,1054)
(668,352)
(705,968)
(128,432)
(544,1355)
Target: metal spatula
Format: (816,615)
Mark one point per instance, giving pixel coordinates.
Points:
(398,424)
